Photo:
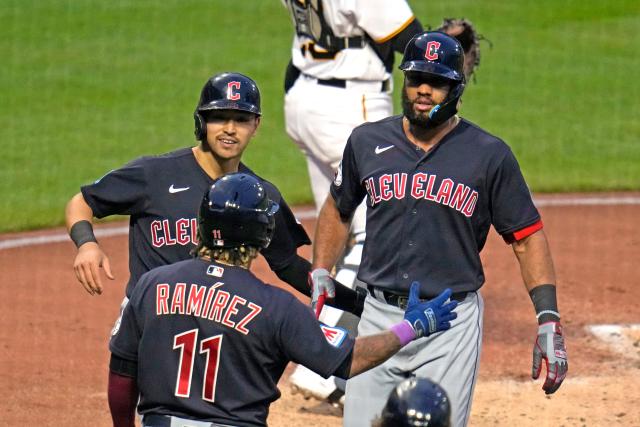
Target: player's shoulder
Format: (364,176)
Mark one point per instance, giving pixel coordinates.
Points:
(166,271)
(480,135)
(162,160)
(475,136)
(380,128)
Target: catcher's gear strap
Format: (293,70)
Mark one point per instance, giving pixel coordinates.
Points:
(527,231)
(82,232)
(290,76)
(308,18)
(297,274)
(545,303)
(124,367)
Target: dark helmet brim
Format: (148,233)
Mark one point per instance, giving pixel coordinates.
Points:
(224,104)
(432,68)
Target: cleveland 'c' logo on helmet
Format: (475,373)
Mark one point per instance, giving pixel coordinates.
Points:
(231,95)
(431,52)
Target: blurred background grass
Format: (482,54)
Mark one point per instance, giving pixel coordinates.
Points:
(87,85)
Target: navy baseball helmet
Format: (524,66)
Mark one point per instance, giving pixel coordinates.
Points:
(417,402)
(226,91)
(434,52)
(236,211)
(439,55)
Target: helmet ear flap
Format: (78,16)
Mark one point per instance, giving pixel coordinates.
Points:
(200,126)
(442,112)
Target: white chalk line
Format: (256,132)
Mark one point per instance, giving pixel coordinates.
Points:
(621,338)
(309,213)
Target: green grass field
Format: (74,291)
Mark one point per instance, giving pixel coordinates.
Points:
(87,85)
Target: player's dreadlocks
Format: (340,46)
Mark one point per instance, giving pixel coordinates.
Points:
(240,256)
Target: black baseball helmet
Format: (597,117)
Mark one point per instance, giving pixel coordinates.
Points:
(226,91)
(236,211)
(417,402)
(434,52)
(437,54)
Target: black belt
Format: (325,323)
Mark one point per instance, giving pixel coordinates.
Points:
(165,421)
(402,300)
(384,86)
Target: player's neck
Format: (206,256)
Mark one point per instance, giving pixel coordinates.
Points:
(426,138)
(219,261)
(213,166)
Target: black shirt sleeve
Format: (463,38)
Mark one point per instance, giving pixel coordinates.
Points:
(512,207)
(127,332)
(346,188)
(303,342)
(122,191)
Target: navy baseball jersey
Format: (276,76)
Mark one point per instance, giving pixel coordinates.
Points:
(211,342)
(467,182)
(162,195)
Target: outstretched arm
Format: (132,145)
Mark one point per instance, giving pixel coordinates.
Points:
(90,257)
(421,319)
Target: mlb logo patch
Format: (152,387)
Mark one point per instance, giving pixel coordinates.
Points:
(214,270)
(334,335)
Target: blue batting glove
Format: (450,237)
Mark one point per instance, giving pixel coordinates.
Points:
(428,317)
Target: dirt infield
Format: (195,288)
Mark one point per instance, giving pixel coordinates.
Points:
(53,351)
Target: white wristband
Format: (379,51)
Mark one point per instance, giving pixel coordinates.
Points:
(555,313)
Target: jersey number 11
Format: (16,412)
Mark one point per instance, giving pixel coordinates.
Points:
(186,343)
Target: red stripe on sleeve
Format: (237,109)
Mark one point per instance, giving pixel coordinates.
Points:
(521,234)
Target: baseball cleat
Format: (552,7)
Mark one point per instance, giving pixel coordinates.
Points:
(310,384)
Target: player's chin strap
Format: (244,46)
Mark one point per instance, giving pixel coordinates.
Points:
(443,111)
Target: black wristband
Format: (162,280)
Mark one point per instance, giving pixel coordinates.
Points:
(82,232)
(545,303)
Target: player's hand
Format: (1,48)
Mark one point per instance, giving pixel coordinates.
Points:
(549,346)
(428,317)
(87,264)
(322,287)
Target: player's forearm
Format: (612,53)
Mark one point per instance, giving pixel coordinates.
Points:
(538,275)
(534,257)
(372,350)
(123,398)
(77,210)
(330,236)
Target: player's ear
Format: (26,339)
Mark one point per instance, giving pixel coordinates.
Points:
(257,123)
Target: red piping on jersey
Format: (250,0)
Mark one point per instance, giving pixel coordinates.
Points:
(525,232)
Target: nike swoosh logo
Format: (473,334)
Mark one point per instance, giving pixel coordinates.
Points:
(172,189)
(383,149)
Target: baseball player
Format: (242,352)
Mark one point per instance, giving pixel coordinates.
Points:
(339,77)
(162,193)
(434,185)
(416,402)
(204,341)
